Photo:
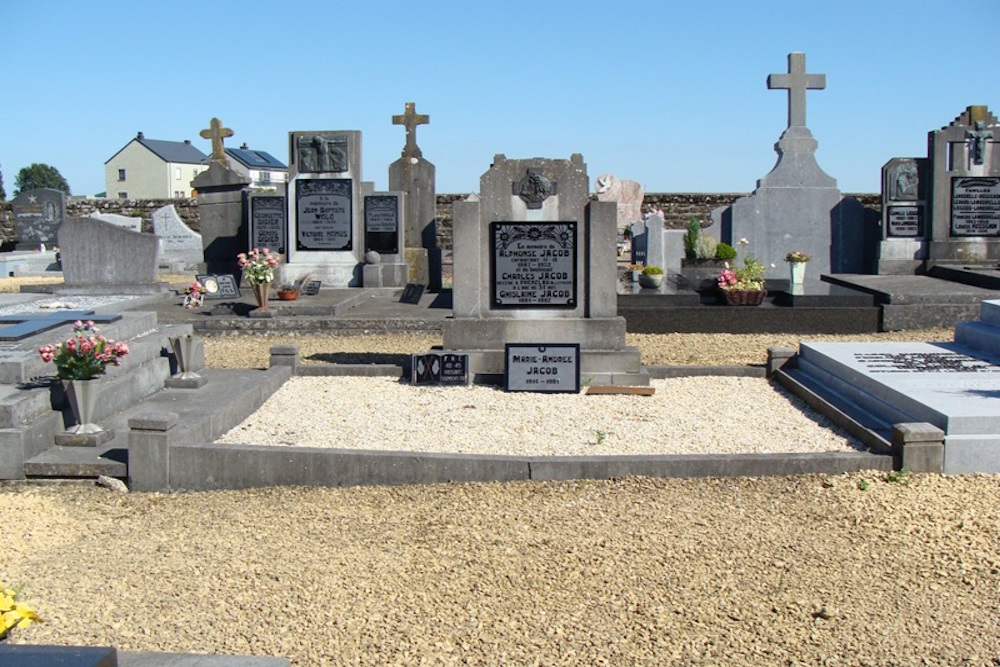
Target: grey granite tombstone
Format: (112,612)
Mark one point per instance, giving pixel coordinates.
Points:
(384,236)
(38,214)
(220,207)
(124,221)
(414,175)
(797,206)
(266,217)
(180,246)
(325,208)
(903,249)
(101,258)
(660,246)
(964,193)
(535,262)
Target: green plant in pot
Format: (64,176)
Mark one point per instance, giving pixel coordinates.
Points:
(651,277)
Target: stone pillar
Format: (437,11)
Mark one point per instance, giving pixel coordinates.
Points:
(224,232)
(149,450)
(920,446)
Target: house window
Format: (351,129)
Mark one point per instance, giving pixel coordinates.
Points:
(177,173)
(123,195)
(265,177)
(121,174)
(178,194)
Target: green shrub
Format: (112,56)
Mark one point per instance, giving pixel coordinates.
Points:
(706,247)
(691,239)
(652,271)
(725,252)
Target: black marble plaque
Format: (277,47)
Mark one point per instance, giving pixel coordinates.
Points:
(905,221)
(438,368)
(553,368)
(412,293)
(975,206)
(312,288)
(382,224)
(219,286)
(533,265)
(37,216)
(323,214)
(267,222)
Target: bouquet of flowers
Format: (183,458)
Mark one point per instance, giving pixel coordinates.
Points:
(748,277)
(258,265)
(797,256)
(85,355)
(194,295)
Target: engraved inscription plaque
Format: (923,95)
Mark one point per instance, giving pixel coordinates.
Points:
(533,265)
(975,206)
(267,222)
(323,214)
(382,224)
(545,368)
(906,221)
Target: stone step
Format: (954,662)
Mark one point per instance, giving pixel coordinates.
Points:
(980,336)
(989,312)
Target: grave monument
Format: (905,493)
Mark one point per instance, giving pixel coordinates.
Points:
(220,206)
(414,175)
(535,262)
(181,248)
(903,249)
(38,214)
(384,238)
(797,206)
(626,194)
(325,207)
(102,258)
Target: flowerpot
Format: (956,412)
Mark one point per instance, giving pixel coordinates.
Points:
(260,293)
(288,294)
(740,297)
(798,270)
(82,395)
(650,281)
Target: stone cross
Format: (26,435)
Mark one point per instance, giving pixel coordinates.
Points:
(978,139)
(796,82)
(411,119)
(217,133)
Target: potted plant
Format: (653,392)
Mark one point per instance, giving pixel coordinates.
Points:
(82,358)
(797,263)
(258,267)
(290,291)
(633,272)
(651,277)
(743,285)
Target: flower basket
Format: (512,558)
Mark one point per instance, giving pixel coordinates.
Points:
(743,297)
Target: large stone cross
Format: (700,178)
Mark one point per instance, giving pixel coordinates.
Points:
(796,82)
(411,119)
(217,133)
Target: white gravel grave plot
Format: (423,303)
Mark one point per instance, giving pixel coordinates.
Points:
(700,415)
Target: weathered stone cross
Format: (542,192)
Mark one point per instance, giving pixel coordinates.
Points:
(411,119)
(796,82)
(217,133)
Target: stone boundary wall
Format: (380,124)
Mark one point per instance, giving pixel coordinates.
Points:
(678,209)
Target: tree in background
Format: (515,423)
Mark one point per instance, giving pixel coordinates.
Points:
(3,195)
(40,175)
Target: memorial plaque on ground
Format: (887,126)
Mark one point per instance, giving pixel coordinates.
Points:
(412,293)
(312,288)
(436,368)
(533,265)
(382,224)
(905,221)
(323,211)
(542,368)
(221,286)
(267,222)
(975,206)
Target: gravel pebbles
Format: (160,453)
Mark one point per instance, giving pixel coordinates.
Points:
(702,415)
(858,569)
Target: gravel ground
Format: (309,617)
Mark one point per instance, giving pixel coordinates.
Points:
(810,570)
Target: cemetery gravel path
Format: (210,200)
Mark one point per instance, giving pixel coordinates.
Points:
(855,569)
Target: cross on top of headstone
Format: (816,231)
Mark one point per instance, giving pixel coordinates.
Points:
(411,119)
(217,133)
(796,82)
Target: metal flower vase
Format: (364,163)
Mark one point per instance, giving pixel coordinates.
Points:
(184,350)
(82,395)
(260,291)
(798,275)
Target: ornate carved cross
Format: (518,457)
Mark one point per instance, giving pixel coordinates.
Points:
(217,133)
(796,82)
(411,119)
(978,138)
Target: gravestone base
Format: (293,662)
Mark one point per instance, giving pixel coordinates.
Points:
(902,257)
(418,263)
(604,357)
(332,273)
(193,381)
(67,439)
(971,250)
(111,289)
(385,275)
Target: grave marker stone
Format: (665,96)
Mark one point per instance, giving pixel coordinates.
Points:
(542,368)
(101,258)
(133,224)
(325,208)
(412,293)
(221,286)
(440,369)
(267,222)
(38,215)
(180,246)
(904,231)
(383,216)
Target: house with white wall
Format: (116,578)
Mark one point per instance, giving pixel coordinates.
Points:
(153,169)
(263,169)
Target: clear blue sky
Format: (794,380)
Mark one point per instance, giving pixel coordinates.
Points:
(670,94)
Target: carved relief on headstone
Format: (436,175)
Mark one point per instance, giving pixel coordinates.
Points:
(904,181)
(319,154)
(534,188)
(627,194)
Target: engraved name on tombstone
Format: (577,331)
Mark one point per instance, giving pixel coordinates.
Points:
(267,222)
(382,224)
(533,265)
(324,211)
(975,206)
(551,368)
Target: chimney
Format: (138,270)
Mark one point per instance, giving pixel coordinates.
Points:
(244,147)
(140,136)
(187,141)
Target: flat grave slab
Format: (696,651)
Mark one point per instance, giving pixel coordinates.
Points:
(950,386)
(913,290)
